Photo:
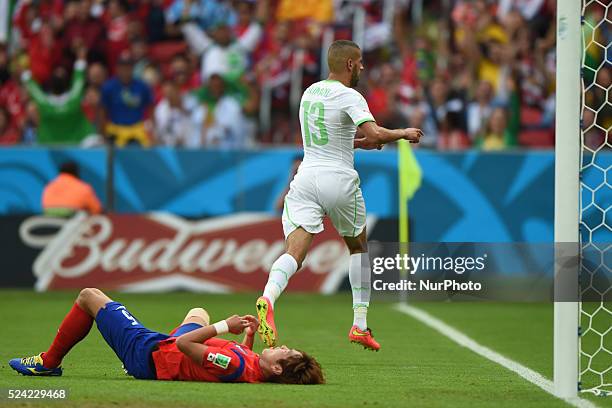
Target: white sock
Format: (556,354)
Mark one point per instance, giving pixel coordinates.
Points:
(359,276)
(280,273)
(360,315)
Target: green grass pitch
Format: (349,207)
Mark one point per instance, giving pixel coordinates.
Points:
(416,366)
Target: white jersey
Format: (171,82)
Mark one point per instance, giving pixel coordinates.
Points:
(329,115)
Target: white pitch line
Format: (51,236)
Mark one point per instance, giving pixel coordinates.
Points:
(465,341)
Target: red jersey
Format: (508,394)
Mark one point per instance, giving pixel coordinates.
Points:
(224,361)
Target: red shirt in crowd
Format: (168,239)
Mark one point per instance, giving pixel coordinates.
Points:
(10,135)
(90,31)
(45,54)
(44,51)
(117,33)
(12,97)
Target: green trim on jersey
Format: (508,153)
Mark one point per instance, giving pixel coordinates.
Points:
(362,121)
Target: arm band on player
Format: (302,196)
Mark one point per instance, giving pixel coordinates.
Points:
(221,327)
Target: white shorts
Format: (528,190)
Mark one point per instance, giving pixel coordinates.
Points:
(316,192)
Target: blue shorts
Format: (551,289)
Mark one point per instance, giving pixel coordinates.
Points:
(130,340)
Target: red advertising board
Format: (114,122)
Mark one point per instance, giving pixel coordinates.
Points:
(159,252)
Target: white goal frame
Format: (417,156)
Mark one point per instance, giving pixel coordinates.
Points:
(567,187)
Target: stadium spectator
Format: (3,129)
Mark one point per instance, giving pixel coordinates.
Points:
(9,134)
(67,194)
(480,109)
(227,56)
(223,52)
(154,20)
(83,30)
(445,115)
(97,74)
(13,97)
(381,96)
(178,118)
(138,50)
(125,101)
(5,73)
(275,54)
(205,13)
(497,135)
(61,118)
(92,107)
(317,10)
(181,71)
(529,9)
(249,12)
(29,135)
(224,124)
(45,53)
(37,24)
(153,77)
(117,23)
(509,44)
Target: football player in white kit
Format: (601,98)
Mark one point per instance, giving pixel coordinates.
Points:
(335,120)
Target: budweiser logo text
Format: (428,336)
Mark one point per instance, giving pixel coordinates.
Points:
(145,247)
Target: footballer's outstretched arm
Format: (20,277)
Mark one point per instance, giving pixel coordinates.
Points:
(361,142)
(191,344)
(374,135)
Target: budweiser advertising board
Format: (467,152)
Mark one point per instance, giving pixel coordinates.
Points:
(160,252)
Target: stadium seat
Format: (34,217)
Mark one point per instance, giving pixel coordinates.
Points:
(531,135)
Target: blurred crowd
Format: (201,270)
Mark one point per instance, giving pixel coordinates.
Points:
(192,73)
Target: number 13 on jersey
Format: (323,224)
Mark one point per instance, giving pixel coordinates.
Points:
(318,136)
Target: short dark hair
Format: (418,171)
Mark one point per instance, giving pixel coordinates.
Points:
(339,51)
(70,167)
(302,369)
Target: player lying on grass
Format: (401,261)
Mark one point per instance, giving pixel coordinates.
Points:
(191,352)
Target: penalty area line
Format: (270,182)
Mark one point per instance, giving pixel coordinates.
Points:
(467,342)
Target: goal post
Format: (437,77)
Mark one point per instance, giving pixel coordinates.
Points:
(567,189)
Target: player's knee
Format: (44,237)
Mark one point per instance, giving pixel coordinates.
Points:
(86,293)
(85,296)
(358,244)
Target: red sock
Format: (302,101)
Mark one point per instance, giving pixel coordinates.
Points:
(73,329)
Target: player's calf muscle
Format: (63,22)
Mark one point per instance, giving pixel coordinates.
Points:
(297,244)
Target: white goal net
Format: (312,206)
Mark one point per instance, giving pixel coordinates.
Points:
(596,199)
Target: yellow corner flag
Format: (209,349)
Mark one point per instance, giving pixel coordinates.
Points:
(409,180)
